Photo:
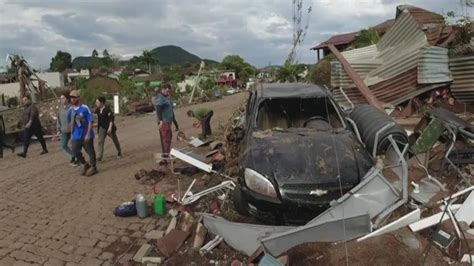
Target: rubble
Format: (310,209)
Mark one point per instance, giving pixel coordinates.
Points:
(186,221)
(171,242)
(154,235)
(201,232)
(390,200)
(149,260)
(210,245)
(403,221)
(172,225)
(144,250)
(242,237)
(149,177)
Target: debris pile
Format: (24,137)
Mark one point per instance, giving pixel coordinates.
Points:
(149,177)
(418,61)
(419,193)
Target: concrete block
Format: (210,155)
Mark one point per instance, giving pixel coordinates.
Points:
(154,260)
(142,252)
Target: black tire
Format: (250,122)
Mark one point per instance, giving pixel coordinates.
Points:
(240,203)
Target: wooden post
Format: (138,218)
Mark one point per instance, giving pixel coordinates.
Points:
(358,82)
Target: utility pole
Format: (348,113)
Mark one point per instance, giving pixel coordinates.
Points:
(196,82)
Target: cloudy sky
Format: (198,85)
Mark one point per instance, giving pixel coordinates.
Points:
(258,30)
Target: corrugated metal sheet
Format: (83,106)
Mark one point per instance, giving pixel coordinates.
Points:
(433,66)
(423,17)
(394,91)
(397,51)
(462,69)
(402,65)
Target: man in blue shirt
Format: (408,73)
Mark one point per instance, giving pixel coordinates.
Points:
(165,113)
(81,120)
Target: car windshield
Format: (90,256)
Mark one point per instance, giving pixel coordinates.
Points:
(313,113)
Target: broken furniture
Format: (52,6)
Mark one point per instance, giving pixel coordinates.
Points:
(441,122)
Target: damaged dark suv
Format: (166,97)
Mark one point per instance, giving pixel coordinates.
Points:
(298,154)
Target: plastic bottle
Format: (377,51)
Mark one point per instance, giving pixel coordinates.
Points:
(140,201)
(160,205)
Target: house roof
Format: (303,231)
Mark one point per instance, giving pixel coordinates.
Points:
(347,38)
(384,26)
(337,40)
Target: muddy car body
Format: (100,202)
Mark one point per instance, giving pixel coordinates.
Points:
(297,155)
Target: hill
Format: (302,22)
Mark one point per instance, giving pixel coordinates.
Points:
(166,55)
(174,55)
(85,62)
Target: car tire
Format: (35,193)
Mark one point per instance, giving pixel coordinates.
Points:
(240,203)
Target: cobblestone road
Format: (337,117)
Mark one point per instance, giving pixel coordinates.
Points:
(50,215)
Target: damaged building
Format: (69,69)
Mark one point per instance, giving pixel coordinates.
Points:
(411,59)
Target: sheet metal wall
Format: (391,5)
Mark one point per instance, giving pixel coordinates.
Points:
(433,66)
(462,69)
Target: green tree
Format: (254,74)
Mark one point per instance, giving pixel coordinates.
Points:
(366,37)
(105,53)
(290,72)
(95,53)
(61,61)
(173,73)
(242,69)
(320,73)
(149,60)
(287,73)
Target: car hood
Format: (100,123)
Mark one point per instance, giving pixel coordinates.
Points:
(305,156)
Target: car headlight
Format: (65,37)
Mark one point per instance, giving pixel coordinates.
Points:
(258,183)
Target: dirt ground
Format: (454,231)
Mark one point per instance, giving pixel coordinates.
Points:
(50,215)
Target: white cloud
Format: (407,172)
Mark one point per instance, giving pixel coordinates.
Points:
(260,31)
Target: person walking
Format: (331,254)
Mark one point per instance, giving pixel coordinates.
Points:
(32,126)
(64,129)
(165,113)
(3,133)
(106,127)
(81,119)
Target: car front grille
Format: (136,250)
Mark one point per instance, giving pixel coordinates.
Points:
(302,193)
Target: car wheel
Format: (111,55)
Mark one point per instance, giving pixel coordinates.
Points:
(240,203)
